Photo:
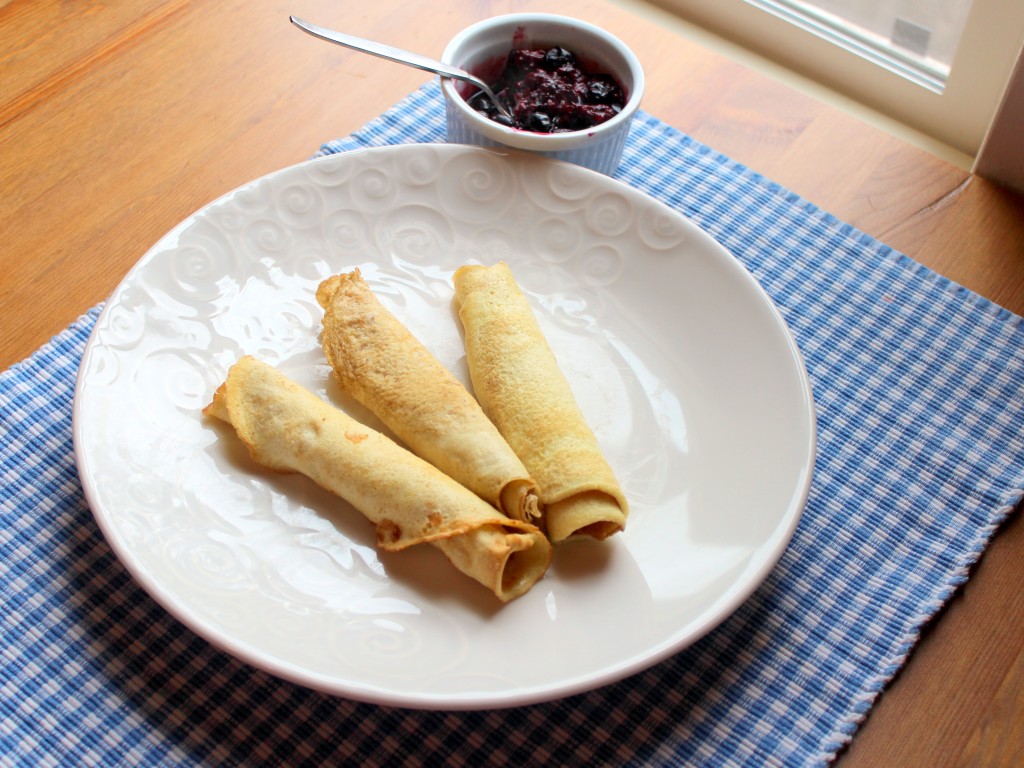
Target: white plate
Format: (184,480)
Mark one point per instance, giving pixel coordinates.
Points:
(684,368)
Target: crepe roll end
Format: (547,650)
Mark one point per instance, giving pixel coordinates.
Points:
(327,288)
(592,514)
(218,407)
(507,561)
(519,501)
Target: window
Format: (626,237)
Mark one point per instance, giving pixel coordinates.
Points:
(938,66)
(915,38)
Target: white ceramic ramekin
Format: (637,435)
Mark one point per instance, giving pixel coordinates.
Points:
(477,49)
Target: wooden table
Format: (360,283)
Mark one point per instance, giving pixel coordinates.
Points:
(119,120)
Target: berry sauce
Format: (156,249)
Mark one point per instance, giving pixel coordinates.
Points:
(548,91)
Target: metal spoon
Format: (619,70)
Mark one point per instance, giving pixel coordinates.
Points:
(402,57)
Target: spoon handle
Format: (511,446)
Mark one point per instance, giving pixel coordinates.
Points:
(387,52)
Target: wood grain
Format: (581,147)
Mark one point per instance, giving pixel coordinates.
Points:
(119,120)
(959,701)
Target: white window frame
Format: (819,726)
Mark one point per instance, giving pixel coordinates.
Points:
(959,117)
(1001,158)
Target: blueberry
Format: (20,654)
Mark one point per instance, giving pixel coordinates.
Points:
(538,122)
(557,57)
(481,102)
(603,90)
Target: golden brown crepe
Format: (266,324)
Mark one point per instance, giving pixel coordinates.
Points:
(383,366)
(289,429)
(518,382)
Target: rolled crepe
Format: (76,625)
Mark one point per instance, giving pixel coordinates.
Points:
(518,382)
(382,365)
(289,429)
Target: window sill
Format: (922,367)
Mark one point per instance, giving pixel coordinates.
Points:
(707,39)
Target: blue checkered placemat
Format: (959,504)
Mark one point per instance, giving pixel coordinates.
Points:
(919,390)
